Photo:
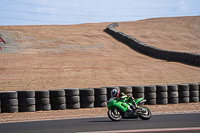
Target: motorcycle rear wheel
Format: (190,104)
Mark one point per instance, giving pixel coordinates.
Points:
(146,115)
(114,115)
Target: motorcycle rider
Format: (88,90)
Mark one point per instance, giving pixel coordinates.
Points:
(117,94)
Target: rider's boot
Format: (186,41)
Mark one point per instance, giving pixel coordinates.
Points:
(134,106)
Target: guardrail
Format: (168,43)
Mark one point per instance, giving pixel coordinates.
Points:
(188,58)
(75,98)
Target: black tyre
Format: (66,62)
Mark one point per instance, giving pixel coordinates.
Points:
(73,106)
(87,105)
(125,89)
(150,95)
(72,99)
(42,101)
(46,107)
(162,101)
(138,89)
(100,104)
(183,87)
(9,102)
(151,101)
(173,100)
(87,99)
(184,93)
(194,99)
(27,108)
(184,100)
(57,100)
(9,109)
(161,88)
(58,107)
(114,115)
(193,86)
(8,95)
(57,93)
(129,94)
(172,88)
(194,93)
(146,115)
(86,92)
(100,91)
(42,94)
(150,89)
(72,92)
(26,94)
(26,101)
(138,95)
(161,95)
(100,98)
(172,94)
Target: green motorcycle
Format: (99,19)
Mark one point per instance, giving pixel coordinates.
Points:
(121,109)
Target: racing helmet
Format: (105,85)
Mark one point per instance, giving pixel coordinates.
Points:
(114,92)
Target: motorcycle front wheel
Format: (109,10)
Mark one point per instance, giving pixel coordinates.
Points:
(114,115)
(145,115)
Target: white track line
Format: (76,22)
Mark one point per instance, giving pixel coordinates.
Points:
(149,130)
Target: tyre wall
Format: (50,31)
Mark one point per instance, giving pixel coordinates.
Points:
(161,94)
(150,94)
(173,94)
(183,93)
(189,58)
(0,103)
(75,98)
(126,90)
(100,95)
(42,100)
(87,98)
(26,101)
(57,99)
(194,92)
(72,98)
(9,102)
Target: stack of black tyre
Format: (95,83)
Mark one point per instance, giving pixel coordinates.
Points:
(150,94)
(126,90)
(199,90)
(194,92)
(100,97)
(138,91)
(183,93)
(173,94)
(26,101)
(161,94)
(42,100)
(57,99)
(9,102)
(72,98)
(0,103)
(86,97)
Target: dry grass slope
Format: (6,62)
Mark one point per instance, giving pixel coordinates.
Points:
(81,56)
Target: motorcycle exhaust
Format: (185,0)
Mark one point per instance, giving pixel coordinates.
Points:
(142,101)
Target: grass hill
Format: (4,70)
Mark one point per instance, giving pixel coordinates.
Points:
(81,56)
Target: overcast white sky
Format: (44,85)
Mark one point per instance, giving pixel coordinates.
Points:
(65,12)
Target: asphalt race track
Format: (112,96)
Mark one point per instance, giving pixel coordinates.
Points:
(190,122)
